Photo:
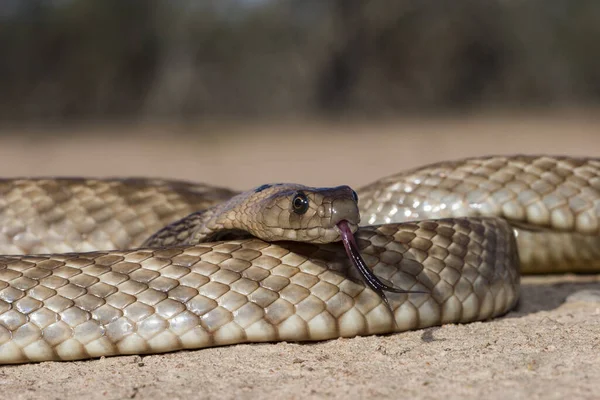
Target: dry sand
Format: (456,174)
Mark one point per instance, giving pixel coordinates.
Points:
(548,348)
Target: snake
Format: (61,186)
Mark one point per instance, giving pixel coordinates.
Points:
(97,267)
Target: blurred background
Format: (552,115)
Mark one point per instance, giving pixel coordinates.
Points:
(323,92)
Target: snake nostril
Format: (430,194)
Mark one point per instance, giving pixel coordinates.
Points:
(321,212)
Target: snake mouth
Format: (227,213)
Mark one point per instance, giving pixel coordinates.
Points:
(369,277)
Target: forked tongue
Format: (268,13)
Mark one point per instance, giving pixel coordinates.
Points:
(370,279)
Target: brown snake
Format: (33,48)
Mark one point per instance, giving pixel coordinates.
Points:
(187,294)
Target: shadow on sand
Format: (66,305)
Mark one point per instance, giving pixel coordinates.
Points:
(544,293)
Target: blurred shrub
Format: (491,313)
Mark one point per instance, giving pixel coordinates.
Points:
(184,59)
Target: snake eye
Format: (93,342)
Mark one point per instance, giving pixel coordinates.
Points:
(355,196)
(300,203)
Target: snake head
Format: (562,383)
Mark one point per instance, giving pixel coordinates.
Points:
(299,213)
(273,212)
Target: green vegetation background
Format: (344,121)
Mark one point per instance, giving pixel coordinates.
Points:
(130,60)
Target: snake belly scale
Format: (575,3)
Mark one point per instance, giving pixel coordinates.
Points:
(77,305)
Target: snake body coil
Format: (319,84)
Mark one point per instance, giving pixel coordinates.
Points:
(189,294)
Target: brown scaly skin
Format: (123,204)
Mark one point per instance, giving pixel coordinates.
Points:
(82,305)
(59,215)
(85,305)
(553,202)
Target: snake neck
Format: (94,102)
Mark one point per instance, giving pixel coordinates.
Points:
(221,222)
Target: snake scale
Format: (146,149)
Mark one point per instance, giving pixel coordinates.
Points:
(451,238)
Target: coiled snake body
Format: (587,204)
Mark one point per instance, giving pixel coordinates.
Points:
(474,222)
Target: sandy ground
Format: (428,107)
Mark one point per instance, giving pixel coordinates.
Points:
(549,347)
